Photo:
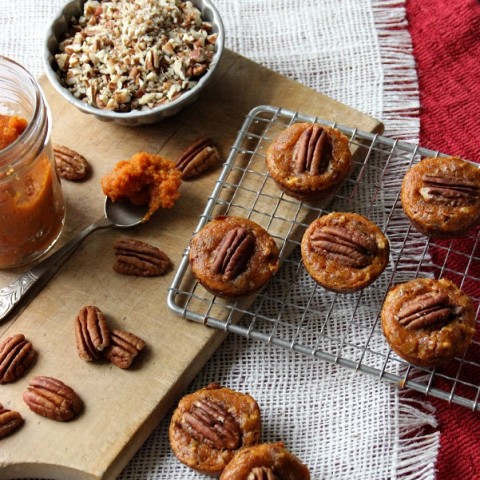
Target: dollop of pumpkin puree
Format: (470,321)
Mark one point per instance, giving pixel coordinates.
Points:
(145,179)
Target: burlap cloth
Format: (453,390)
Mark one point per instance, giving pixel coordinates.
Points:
(341,424)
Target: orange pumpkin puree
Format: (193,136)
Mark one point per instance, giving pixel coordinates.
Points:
(11,127)
(31,203)
(145,179)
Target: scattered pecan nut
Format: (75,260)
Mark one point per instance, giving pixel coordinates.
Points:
(233,253)
(134,257)
(53,399)
(197,158)
(10,420)
(443,190)
(16,355)
(427,310)
(312,151)
(124,347)
(91,332)
(69,164)
(210,423)
(351,248)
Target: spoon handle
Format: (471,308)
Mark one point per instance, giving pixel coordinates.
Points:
(39,275)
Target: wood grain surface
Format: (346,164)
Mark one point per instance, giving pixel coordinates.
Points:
(122,407)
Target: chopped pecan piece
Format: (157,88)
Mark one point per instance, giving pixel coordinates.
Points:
(351,248)
(69,164)
(427,310)
(91,332)
(312,151)
(233,253)
(53,399)
(197,158)
(134,257)
(16,355)
(210,423)
(124,347)
(262,473)
(10,420)
(449,190)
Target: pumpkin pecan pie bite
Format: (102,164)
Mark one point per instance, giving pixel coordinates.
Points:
(344,252)
(233,256)
(428,322)
(210,425)
(309,161)
(441,196)
(268,461)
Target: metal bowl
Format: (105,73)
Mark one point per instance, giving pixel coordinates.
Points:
(60,25)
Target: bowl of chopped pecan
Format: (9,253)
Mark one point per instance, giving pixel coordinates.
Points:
(133,63)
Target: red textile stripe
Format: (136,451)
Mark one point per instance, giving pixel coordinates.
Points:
(446,43)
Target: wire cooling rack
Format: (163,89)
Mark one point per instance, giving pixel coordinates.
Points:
(292,311)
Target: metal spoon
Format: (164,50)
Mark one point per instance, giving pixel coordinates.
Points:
(121,214)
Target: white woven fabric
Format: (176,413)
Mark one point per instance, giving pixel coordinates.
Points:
(341,424)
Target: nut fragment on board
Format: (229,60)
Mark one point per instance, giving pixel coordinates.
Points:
(10,420)
(91,332)
(134,257)
(124,347)
(16,355)
(69,164)
(53,399)
(198,157)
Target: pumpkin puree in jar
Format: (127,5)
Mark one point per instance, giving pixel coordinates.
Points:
(31,216)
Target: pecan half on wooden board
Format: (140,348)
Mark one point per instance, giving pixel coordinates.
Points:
(91,332)
(134,257)
(69,164)
(10,420)
(123,348)
(16,355)
(53,399)
(198,157)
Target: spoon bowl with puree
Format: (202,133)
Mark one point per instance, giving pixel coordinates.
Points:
(119,214)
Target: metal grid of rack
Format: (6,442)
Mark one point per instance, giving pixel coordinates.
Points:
(292,311)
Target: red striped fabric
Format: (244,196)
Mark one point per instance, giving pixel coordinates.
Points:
(446,42)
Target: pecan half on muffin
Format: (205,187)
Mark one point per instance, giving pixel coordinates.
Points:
(233,256)
(268,461)
(210,425)
(441,196)
(309,161)
(344,252)
(428,322)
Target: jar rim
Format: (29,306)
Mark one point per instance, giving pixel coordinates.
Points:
(32,123)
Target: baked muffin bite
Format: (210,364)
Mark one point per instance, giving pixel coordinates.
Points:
(268,461)
(309,161)
(209,426)
(441,196)
(428,322)
(233,256)
(344,252)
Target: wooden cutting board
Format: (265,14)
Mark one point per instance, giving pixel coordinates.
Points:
(122,407)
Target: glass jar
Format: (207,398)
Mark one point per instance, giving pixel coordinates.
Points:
(32,208)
